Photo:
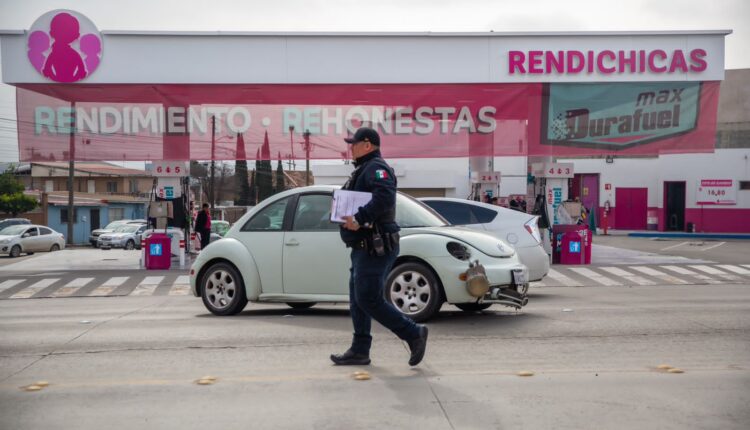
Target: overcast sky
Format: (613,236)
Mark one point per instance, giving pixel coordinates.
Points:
(386,15)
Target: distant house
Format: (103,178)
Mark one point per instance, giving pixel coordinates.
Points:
(103,192)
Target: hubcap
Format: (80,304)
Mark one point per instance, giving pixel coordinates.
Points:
(410,292)
(220,289)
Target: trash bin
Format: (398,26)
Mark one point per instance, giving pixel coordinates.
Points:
(158,252)
(584,236)
(573,248)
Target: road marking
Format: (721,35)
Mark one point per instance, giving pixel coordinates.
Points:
(595,276)
(109,286)
(627,275)
(181,286)
(147,286)
(684,271)
(72,287)
(34,288)
(659,275)
(675,246)
(568,282)
(734,269)
(714,271)
(538,284)
(714,246)
(10,283)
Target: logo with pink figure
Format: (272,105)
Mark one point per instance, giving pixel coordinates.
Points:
(64,46)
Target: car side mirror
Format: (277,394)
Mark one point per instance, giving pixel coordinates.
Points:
(25,235)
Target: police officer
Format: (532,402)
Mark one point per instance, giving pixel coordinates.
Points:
(372,235)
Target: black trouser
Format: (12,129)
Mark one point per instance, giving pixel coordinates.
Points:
(205,238)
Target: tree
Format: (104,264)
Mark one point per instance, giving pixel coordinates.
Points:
(280,186)
(12,199)
(243,185)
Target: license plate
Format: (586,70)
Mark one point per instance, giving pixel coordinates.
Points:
(519,277)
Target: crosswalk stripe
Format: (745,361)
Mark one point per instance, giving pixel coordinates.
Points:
(659,275)
(568,282)
(34,288)
(71,287)
(714,271)
(628,276)
(10,283)
(538,284)
(595,276)
(684,271)
(735,269)
(181,286)
(147,286)
(109,286)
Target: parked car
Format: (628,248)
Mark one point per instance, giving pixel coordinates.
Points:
(127,236)
(13,221)
(517,228)
(94,236)
(286,250)
(28,239)
(219,229)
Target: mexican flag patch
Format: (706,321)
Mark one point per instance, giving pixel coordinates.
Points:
(381,174)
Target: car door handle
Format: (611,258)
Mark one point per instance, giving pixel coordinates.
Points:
(292,243)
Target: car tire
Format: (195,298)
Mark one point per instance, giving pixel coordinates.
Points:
(15,251)
(54,248)
(414,290)
(301,305)
(95,245)
(473,307)
(130,245)
(29,253)
(222,290)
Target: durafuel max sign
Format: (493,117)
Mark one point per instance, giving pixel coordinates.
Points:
(617,116)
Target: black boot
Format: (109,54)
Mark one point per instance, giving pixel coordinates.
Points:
(418,346)
(350,358)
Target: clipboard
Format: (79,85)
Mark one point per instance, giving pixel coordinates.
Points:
(347,203)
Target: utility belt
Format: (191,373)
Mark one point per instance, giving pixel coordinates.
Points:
(377,244)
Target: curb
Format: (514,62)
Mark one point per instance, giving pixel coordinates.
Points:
(744,236)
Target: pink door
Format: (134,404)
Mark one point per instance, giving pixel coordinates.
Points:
(590,192)
(631,208)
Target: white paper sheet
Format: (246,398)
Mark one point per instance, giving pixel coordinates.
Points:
(347,203)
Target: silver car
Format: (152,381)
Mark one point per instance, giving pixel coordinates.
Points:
(94,237)
(127,236)
(28,239)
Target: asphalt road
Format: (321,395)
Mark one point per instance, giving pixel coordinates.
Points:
(132,362)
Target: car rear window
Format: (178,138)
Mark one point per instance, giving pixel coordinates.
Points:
(483,215)
(456,213)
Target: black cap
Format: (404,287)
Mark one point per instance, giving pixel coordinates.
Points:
(365,134)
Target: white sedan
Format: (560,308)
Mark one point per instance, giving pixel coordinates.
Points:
(286,250)
(517,228)
(28,239)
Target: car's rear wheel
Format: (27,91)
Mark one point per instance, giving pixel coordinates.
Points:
(222,290)
(54,248)
(301,305)
(130,245)
(473,307)
(15,251)
(414,290)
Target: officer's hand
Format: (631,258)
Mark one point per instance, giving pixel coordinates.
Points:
(350,223)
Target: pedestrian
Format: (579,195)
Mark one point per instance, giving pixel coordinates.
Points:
(372,235)
(203,225)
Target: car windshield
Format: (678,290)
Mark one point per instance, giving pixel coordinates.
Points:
(128,228)
(412,213)
(14,230)
(114,224)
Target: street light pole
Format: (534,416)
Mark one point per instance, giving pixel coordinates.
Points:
(213,157)
(306,135)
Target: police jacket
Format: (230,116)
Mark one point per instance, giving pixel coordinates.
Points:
(373,175)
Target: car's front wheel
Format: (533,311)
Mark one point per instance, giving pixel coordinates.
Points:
(130,245)
(222,290)
(414,290)
(15,251)
(54,248)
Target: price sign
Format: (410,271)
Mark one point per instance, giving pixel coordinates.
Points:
(485,177)
(553,170)
(716,192)
(171,169)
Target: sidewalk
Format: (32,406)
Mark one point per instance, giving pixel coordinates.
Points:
(87,259)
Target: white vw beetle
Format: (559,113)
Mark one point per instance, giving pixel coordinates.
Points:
(285,250)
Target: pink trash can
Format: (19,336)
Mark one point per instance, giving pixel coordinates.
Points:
(158,252)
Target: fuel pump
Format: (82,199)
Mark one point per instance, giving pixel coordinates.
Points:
(552,182)
(485,183)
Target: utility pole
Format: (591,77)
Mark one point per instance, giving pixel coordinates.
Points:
(306,135)
(71,170)
(213,157)
(292,164)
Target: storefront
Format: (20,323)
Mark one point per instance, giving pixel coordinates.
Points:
(447,105)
